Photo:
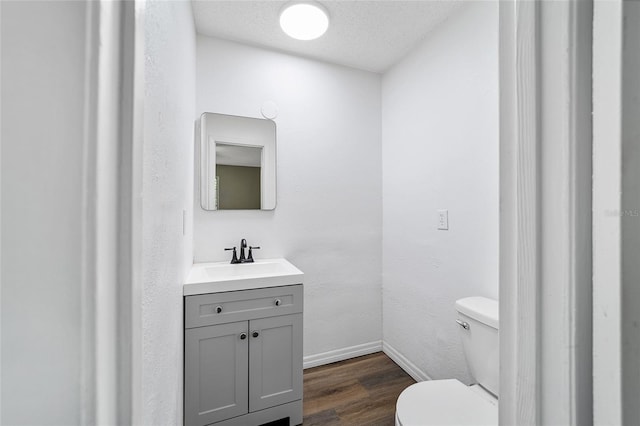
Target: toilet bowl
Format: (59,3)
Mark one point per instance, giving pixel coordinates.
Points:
(446,402)
(450,402)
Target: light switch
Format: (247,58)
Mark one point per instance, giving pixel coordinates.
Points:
(443,219)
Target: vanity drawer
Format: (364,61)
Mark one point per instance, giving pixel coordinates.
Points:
(219,308)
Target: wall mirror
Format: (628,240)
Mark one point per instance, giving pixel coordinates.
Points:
(237,163)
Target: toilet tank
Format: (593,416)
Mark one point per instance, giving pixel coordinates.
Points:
(478,319)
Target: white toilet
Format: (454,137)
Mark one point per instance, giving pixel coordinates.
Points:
(450,402)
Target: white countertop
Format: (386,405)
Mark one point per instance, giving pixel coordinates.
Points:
(216,277)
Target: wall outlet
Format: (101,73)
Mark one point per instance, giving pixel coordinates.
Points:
(443,219)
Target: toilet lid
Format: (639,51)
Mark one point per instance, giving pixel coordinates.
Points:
(445,402)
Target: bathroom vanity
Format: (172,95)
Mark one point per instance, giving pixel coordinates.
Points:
(243,343)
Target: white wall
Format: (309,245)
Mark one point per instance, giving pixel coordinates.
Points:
(43,101)
(167,191)
(328,216)
(440,151)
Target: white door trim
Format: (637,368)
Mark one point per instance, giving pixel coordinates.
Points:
(519,214)
(131,235)
(545,204)
(112,207)
(607,207)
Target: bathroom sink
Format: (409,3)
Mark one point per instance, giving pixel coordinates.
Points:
(223,276)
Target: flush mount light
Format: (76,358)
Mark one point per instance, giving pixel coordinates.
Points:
(304,20)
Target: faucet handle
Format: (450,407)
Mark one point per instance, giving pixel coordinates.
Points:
(250,256)
(234,259)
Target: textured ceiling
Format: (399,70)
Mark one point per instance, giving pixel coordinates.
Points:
(369,35)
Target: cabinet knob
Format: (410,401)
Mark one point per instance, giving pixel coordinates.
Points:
(218,309)
(278,302)
(243,336)
(255,334)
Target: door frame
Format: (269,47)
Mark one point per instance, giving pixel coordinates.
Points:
(545,212)
(529,282)
(111,355)
(616,309)
(607,170)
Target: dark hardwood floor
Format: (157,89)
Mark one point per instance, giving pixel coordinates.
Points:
(358,391)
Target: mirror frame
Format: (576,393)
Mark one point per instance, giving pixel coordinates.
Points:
(240,131)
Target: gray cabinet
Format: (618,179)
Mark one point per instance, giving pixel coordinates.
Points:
(275,361)
(243,357)
(216,376)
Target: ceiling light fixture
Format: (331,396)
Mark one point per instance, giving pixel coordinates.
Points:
(304,20)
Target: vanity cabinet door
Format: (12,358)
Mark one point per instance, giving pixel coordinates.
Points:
(216,376)
(275,361)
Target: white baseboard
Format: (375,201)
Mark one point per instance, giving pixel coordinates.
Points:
(342,354)
(411,369)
